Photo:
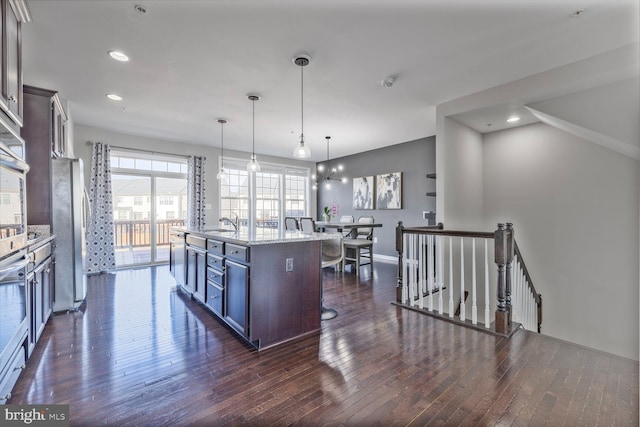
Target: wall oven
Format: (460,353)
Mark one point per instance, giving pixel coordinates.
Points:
(13,202)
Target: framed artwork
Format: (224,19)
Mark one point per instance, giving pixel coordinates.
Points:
(363,195)
(389,190)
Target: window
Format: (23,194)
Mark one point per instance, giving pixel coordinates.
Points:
(234,194)
(279,191)
(166,200)
(6,199)
(170,215)
(137,200)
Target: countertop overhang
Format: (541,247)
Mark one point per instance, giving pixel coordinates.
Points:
(261,236)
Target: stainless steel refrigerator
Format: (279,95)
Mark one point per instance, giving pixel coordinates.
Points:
(68,222)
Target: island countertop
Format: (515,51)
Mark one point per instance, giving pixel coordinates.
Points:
(261,236)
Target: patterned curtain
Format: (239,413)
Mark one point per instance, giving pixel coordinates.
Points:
(100,235)
(195,192)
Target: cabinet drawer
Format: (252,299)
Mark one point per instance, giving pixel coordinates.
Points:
(9,376)
(214,298)
(215,262)
(215,247)
(197,241)
(215,276)
(238,253)
(41,254)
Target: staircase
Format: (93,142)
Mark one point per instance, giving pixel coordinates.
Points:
(448,274)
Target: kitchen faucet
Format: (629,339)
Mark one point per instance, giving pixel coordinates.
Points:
(232,222)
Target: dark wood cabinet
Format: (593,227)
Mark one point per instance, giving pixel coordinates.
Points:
(177,256)
(237,296)
(40,284)
(14,13)
(268,293)
(44,133)
(196,267)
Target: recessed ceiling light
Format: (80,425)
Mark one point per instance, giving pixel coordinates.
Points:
(579,12)
(118,56)
(513,119)
(114,97)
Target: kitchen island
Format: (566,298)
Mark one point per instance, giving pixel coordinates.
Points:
(264,283)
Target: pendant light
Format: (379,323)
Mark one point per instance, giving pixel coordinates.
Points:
(222,174)
(301,151)
(253,165)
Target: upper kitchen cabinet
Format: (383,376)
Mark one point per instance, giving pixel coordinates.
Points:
(14,13)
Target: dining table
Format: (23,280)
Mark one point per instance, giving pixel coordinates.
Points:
(342,226)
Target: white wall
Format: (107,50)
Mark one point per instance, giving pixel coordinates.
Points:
(459,176)
(574,206)
(82,134)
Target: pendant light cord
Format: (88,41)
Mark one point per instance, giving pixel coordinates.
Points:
(222,139)
(302,103)
(253,123)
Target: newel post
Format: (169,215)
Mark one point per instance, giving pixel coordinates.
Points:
(508,271)
(399,247)
(501,317)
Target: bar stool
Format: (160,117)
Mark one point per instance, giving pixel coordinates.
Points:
(359,250)
(332,255)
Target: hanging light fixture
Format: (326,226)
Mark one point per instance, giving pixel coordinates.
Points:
(326,176)
(222,174)
(253,165)
(301,151)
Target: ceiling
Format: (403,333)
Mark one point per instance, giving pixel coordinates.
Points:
(193,62)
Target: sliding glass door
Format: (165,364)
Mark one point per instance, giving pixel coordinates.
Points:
(149,197)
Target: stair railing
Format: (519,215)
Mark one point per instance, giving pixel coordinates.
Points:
(435,278)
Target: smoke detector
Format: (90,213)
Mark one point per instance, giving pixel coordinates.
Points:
(388,82)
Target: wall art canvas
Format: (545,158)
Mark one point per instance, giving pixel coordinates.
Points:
(363,195)
(389,190)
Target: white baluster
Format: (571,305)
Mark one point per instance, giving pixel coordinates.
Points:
(474,306)
(462,306)
(419,270)
(439,272)
(405,261)
(487,310)
(410,266)
(450,277)
(430,270)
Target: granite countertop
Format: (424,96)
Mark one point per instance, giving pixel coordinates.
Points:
(260,236)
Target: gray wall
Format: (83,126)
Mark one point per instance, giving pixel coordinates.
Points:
(414,159)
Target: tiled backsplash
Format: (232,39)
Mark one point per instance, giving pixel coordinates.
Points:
(35,231)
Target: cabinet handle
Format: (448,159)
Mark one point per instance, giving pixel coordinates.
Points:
(20,368)
(12,98)
(7,396)
(214,297)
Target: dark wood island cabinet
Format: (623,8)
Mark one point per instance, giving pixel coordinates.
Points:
(265,287)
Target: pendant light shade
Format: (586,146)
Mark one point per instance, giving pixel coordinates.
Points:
(222,174)
(301,151)
(253,165)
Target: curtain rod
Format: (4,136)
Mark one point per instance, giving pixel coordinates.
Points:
(117,147)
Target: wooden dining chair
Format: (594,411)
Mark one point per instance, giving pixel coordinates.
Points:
(291,223)
(347,219)
(359,250)
(307,224)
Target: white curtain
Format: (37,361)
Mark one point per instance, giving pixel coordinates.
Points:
(100,232)
(195,192)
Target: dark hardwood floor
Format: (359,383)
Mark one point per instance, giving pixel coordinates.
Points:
(144,354)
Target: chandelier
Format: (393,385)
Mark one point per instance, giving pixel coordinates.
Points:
(328,175)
